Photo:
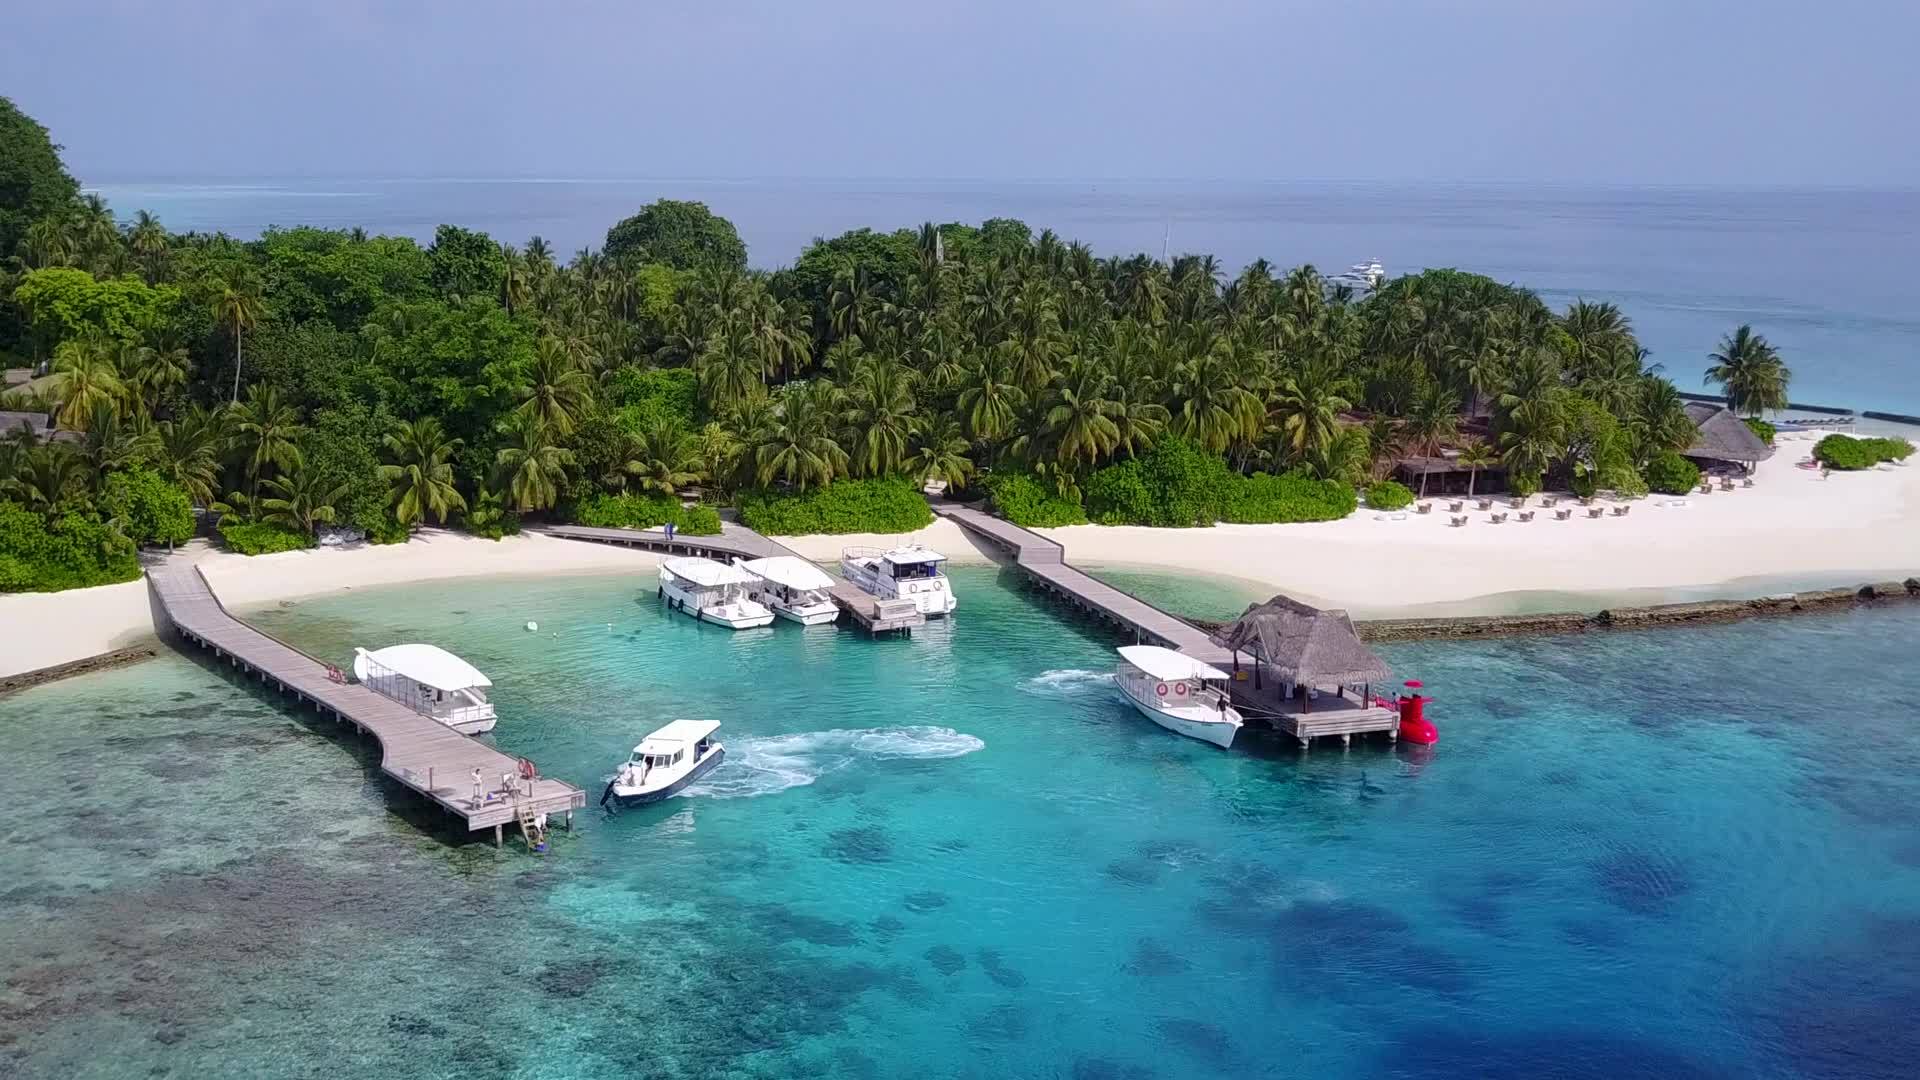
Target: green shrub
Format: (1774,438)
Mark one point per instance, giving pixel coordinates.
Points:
(69,552)
(1175,485)
(1763,429)
(1024,500)
(644,398)
(261,538)
(1584,484)
(1523,484)
(1671,474)
(1848,453)
(155,512)
(881,505)
(385,529)
(1290,498)
(1389,495)
(1118,495)
(638,510)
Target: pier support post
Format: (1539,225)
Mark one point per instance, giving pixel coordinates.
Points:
(499,836)
(569,821)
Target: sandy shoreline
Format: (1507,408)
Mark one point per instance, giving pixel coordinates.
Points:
(1792,530)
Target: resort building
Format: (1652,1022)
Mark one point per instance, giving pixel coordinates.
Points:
(1312,675)
(1724,438)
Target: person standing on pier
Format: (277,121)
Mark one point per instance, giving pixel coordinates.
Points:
(478,795)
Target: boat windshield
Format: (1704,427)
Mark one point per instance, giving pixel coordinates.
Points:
(913,570)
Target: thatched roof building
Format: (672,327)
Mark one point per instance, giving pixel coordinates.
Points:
(1303,644)
(1724,436)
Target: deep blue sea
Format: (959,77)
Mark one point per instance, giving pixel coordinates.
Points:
(1831,276)
(1631,855)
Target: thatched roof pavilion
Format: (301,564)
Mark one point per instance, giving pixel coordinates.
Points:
(1724,436)
(1303,644)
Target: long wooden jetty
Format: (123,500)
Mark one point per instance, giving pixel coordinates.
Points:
(1044,562)
(420,753)
(869,612)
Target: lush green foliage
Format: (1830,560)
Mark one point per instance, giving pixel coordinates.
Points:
(152,511)
(33,182)
(1762,428)
(261,537)
(645,398)
(1749,368)
(61,303)
(465,264)
(1023,500)
(634,510)
(1845,452)
(883,505)
(1286,499)
(683,235)
(1671,474)
(1388,495)
(68,551)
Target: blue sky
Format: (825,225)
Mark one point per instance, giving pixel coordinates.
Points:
(1610,91)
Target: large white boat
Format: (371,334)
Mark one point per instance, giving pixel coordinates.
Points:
(1366,275)
(665,762)
(1172,689)
(904,573)
(712,592)
(794,588)
(432,682)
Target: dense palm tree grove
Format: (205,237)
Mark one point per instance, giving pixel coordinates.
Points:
(329,377)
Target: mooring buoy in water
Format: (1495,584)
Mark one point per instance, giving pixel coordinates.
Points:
(532,626)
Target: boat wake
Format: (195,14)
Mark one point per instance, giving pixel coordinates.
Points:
(1067,682)
(765,766)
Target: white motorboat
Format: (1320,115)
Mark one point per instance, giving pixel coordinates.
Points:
(794,588)
(1172,689)
(904,573)
(1366,275)
(432,682)
(712,592)
(665,762)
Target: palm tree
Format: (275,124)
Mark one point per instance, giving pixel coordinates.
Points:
(113,443)
(86,379)
(147,239)
(1659,420)
(46,476)
(419,471)
(731,370)
(237,304)
(533,465)
(266,429)
(1750,369)
(664,457)
(1434,420)
(189,453)
(1307,411)
(558,391)
(988,398)
(1476,455)
(798,448)
(940,453)
(513,281)
(1078,421)
(300,499)
(718,452)
(879,416)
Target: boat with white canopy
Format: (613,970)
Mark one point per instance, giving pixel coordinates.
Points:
(903,573)
(712,592)
(665,762)
(794,588)
(431,681)
(1175,691)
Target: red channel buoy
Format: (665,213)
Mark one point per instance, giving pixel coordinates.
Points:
(1414,725)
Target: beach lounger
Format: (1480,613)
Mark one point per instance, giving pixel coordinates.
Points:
(1621,511)
(1495,519)
(1563,515)
(1550,501)
(1423,508)
(1486,504)
(1595,511)
(1526,515)
(1459,520)
(1456,506)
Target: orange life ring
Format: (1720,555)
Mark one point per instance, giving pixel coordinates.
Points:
(1161,689)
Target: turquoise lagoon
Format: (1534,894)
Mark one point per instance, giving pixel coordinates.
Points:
(1665,854)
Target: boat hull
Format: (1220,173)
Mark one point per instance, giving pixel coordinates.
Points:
(706,765)
(1215,732)
(807,618)
(476,727)
(682,600)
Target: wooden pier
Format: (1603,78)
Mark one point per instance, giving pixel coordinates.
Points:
(420,753)
(869,612)
(1044,562)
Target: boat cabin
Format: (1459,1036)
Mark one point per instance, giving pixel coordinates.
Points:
(675,746)
(431,681)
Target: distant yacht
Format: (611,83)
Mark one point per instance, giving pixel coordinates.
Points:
(1365,275)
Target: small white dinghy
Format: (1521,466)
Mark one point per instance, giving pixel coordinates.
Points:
(794,588)
(712,592)
(1171,689)
(665,762)
(432,682)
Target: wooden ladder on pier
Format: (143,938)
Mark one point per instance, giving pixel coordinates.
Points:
(529,824)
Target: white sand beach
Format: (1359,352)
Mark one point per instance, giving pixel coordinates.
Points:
(1791,525)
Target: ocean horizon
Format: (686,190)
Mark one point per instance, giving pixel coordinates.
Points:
(1831,275)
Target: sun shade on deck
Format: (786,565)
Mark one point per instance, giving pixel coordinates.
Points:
(790,571)
(1303,644)
(428,665)
(1167,664)
(706,573)
(905,556)
(1724,436)
(680,733)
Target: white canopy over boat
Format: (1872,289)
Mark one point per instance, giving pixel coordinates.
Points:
(677,735)
(790,571)
(428,665)
(1167,664)
(707,573)
(906,556)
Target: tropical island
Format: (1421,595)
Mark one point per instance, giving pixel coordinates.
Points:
(328,383)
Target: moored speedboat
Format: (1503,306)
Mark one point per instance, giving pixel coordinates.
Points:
(903,573)
(1171,689)
(794,588)
(666,762)
(432,682)
(712,592)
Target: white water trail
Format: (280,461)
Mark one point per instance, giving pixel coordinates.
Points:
(1067,682)
(764,766)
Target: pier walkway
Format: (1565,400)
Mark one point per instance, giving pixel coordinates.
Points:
(422,754)
(874,615)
